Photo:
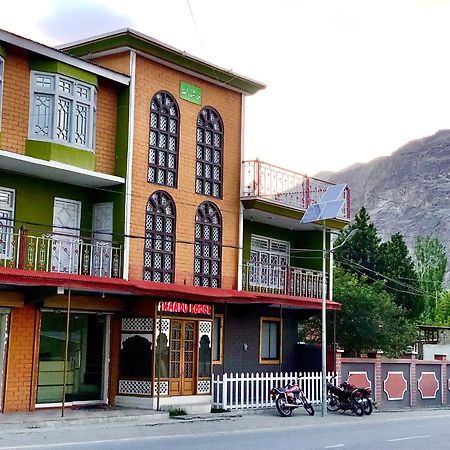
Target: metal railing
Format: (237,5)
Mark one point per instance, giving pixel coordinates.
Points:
(285,187)
(55,252)
(278,279)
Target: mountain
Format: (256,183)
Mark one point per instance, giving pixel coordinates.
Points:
(407,192)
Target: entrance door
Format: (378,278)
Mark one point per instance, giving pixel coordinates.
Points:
(85,365)
(183,355)
(102,228)
(66,232)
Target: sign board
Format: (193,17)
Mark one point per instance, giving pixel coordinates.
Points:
(196,309)
(190,93)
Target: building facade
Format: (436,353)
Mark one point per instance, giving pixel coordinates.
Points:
(135,259)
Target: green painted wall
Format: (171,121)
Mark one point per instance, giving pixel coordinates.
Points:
(35,197)
(2,51)
(297,239)
(50,151)
(122,132)
(44,64)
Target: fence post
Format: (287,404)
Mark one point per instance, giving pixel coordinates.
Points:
(338,364)
(412,378)
(224,391)
(378,384)
(443,384)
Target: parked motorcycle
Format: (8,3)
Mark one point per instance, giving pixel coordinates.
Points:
(344,397)
(366,397)
(289,398)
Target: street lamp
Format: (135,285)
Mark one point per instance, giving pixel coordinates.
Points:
(329,207)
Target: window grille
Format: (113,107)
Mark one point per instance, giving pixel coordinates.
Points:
(159,248)
(6,222)
(163,140)
(208,246)
(209,153)
(62,110)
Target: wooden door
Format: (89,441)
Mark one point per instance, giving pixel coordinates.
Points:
(183,357)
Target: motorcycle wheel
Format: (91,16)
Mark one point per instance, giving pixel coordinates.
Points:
(367,407)
(281,407)
(357,408)
(333,403)
(309,408)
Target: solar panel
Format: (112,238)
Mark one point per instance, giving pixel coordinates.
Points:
(329,207)
(333,193)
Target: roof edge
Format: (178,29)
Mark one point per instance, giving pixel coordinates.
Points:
(151,46)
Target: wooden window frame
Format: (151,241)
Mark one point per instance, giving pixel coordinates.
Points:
(278,320)
(163,110)
(220,360)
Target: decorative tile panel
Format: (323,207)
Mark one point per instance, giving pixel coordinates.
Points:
(135,387)
(359,379)
(205,329)
(395,385)
(164,388)
(203,387)
(144,324)
(165,326)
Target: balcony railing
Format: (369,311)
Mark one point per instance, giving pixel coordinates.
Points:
(55,252)
(285,187)
(275,279)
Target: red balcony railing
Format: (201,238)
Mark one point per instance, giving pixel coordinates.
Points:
(55,252)
(285,187)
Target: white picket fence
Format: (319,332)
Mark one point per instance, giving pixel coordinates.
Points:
(242,391)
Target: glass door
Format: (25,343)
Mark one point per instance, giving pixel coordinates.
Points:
(85,365)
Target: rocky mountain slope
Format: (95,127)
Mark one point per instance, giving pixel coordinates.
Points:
(408,191)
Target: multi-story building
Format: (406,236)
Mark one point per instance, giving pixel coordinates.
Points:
(130,271)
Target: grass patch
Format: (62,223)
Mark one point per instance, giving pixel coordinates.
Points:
(219,410)
(177,412)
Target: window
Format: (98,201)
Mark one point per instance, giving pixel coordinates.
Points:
(269,259)
(163,142)
(2,71)
(159,248)
(217,344)
(270,340)
(208,246)
(209,153)
(6,222)
(62,110)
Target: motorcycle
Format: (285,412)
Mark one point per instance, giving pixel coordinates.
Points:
(344,397)
(366,397)
(289,398)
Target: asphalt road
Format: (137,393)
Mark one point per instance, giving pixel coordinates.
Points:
(401,430)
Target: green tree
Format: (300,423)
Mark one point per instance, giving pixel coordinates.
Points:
(359,254)
(370,319)
(431,264)
(442,312)
(396,267)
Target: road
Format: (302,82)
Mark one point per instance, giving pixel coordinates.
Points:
(400,430)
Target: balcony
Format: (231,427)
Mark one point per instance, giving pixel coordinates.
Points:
(277,279)
(53,252)
(284,187)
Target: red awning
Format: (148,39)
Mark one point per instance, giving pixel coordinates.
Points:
(18,277)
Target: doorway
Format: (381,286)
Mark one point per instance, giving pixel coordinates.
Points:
(85,365)
(183,357)
(4,314)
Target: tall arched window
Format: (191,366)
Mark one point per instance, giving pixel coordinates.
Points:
(159,247)
(208,245)
(163,141)
(209,153)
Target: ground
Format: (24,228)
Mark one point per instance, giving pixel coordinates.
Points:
(266,430)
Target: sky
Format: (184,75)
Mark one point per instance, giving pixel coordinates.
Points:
(347,80)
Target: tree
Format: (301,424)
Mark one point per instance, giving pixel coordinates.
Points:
(369,319)
(431,264)
(442,312)
(360,253)
(396,267)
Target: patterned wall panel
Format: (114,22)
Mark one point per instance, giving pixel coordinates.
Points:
(359,379)
(395,385)
(203,386)
(428,385)
(134,387)
(164,388)
(163,326)
(143,324)
(204,329)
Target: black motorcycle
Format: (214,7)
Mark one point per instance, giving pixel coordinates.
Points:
(345,398)
(289,398)
(367,401)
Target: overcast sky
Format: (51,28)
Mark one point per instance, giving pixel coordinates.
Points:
(348,80)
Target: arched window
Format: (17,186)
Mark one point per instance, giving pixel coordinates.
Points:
(209,153)
(159,247)
(208,245)
(163,141)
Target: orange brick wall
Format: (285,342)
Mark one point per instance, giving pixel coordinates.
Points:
(16,104)
(150,78)
(114,356)
(19,392)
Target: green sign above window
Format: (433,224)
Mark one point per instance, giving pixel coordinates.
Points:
(191,93)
